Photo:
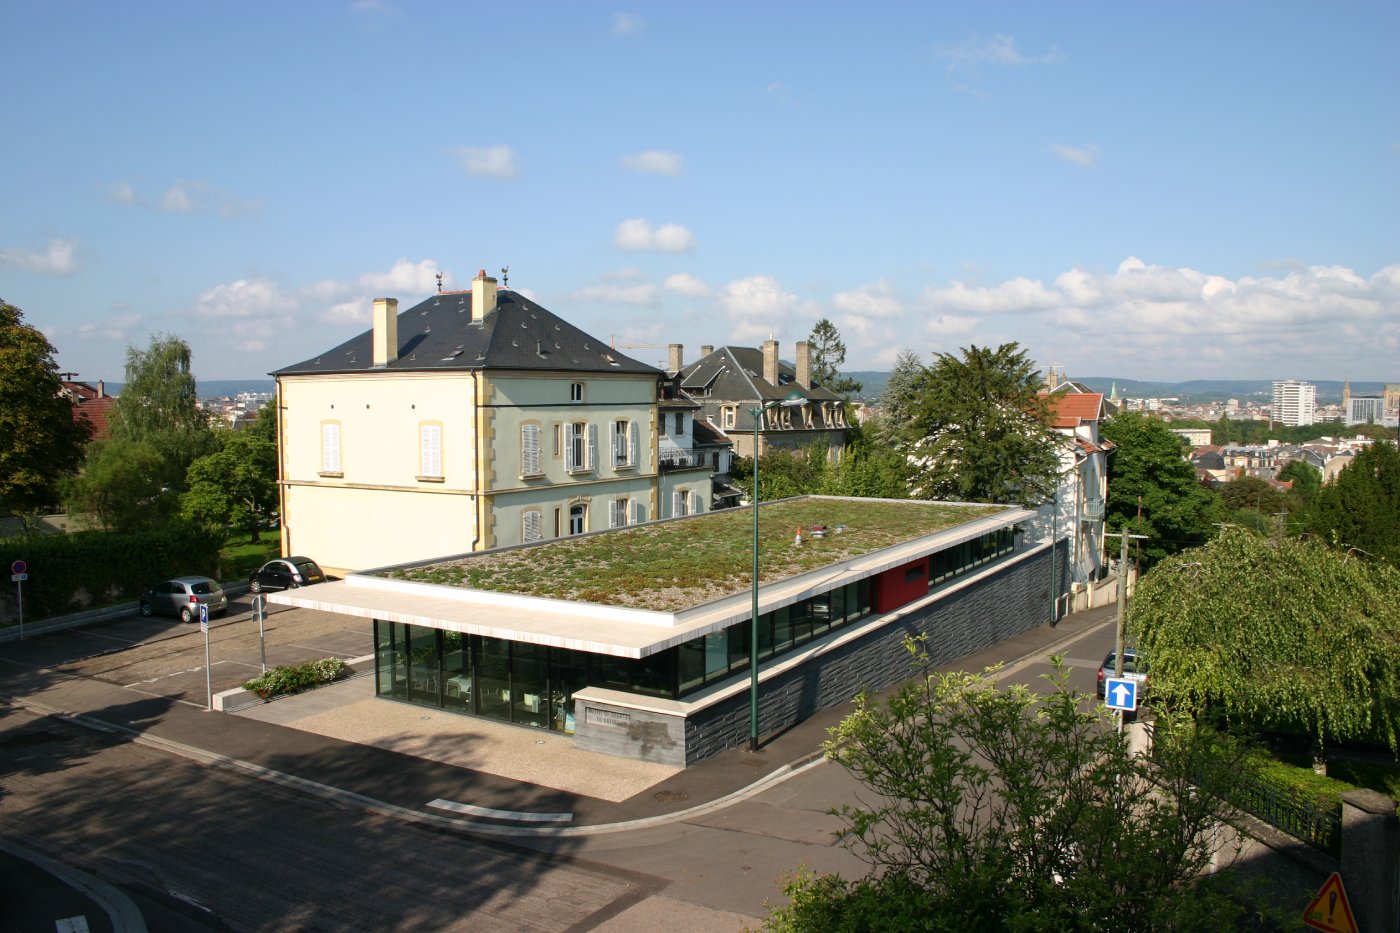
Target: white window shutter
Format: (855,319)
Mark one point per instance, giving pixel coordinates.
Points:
(430,437)
(639,511)
(330,448)
(529,449)
(592,463)
(695,504)
(677,504)
(530,526)
(634,442)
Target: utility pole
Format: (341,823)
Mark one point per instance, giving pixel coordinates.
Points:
(1122,605)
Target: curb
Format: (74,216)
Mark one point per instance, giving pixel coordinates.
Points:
(126,917)
(469,827)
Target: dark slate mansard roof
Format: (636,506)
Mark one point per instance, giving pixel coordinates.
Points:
(439,335)
(736,373)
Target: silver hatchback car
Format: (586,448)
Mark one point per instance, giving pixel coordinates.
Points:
(182,597)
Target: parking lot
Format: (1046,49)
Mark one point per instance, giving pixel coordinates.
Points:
(159,656)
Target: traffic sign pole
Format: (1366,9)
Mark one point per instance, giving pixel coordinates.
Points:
(208,675)
(260,611)
(19,573)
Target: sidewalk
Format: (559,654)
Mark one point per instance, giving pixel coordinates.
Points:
(404,781)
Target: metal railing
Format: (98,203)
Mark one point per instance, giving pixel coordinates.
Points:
(1318,825)
(1091,510)
(668,460)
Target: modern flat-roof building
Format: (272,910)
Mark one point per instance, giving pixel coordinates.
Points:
(637,641)
(1365,409)
(1294,402)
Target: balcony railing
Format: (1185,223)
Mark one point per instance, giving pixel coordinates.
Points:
(671,460)
(1091,510)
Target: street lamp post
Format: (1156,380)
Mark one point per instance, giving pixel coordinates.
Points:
(794,399)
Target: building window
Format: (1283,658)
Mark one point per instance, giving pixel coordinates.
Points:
(530,450)
(430,451)
(678,503)
(727,417)
(529,526)
(578,519)
(680,424)
(581,446)
(617,513)
(576,391)
(696,504)
(624,443)
(330,448)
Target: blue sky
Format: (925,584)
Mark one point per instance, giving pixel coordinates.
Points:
(1154,191)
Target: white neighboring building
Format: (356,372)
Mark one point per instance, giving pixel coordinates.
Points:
(1365,409)
(1294,402)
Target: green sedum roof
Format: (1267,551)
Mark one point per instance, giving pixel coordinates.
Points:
(675,565)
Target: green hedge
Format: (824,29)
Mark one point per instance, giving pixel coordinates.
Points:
(72,572)
(283,680)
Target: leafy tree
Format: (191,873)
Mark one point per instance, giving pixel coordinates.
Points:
(1275,634)
(158,405)
(237,485)
(121,486)
(828,355)
(1306,480)
(1152,488)
(1360,507)
(1252,492)
(979,431)
(1000,809)
(898,401)
(39,440)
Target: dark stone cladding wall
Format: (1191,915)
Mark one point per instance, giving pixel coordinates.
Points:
(1006,603)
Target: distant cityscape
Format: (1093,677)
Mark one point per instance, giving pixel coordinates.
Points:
(1290,402)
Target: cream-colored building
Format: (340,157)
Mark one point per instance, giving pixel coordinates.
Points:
(473,420)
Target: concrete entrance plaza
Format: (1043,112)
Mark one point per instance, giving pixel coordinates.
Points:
(349,711)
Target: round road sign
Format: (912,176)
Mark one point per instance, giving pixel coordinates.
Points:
(18,566)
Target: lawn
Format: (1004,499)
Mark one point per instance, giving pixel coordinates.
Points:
(237,561)
(668,566)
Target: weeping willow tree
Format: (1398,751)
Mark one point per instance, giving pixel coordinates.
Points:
(1274,633)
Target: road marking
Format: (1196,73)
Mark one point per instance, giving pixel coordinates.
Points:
(77,924)
(514,815)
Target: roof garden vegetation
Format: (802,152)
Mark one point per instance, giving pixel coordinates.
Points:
(675,565)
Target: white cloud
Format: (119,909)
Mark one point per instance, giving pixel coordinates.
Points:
(627,24)
(638,234)
(245,298)
(181,198)
(114,328)
(654,161)
(641,294)
(998,51)
(683,283)
(1086,156)
(488,161)
(875,300)
(122,193)
(779,92)
(1015,295)
(351,302)
(950,325)
(55,259)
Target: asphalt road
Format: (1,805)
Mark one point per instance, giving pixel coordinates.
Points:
(202,849)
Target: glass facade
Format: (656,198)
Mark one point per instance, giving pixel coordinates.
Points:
(533,685)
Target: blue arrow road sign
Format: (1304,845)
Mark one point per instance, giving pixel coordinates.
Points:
(1120,693)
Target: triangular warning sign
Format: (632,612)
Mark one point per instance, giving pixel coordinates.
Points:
(1330,910)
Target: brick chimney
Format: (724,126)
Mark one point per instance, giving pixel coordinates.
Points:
(675,357)
(706,350)
(483,296)
(770,361)
(386,331)
(101,389)
(804,364)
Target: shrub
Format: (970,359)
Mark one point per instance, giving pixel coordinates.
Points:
(284,680)
(71,572)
